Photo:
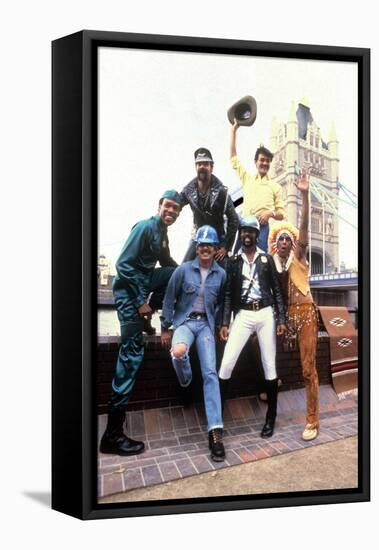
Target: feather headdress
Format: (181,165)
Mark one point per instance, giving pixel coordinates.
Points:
(279,229)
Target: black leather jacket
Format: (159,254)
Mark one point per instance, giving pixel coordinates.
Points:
(219,203)
(268,282)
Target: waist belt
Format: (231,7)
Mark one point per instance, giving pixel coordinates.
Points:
(197,315)
(255,305)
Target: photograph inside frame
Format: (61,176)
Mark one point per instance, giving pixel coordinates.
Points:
(227,296)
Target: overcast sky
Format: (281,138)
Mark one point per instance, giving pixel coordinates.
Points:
(156,108)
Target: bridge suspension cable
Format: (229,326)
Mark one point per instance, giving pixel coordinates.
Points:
(329,200)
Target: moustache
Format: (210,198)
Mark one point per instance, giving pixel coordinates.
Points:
(248,240)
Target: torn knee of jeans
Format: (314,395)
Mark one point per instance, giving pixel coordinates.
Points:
(207,338)
(179,351)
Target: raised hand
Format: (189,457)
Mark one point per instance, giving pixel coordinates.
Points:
(303,182)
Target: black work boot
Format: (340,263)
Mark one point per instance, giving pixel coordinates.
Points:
(216,445)
(272,401)
(114,441)
(224,385)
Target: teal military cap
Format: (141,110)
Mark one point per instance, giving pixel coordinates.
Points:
(172,195)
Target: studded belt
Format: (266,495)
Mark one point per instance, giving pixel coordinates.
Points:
(197,315)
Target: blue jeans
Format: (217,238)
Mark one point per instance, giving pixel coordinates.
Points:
(263,237)
(200,331)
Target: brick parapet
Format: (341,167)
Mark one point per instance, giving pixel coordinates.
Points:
(157,386)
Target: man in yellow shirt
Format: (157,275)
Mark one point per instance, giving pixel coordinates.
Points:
(262,197)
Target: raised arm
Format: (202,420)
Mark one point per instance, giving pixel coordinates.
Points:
(233,139)
(303,187)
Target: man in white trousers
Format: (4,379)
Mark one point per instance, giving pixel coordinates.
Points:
(254,296)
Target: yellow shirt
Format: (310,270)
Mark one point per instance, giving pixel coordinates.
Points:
(258,193)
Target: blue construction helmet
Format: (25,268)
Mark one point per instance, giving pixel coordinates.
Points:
(206,234)
(250,221)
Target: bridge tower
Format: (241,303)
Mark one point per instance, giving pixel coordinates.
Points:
(295,143)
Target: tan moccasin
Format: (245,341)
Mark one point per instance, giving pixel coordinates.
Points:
(309,433)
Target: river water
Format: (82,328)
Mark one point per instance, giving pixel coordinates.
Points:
(108,325)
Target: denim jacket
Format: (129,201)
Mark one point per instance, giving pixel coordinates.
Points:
(183,289)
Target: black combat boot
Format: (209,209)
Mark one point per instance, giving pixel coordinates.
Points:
(114,441)
(272,401)
(216,445)
(224,386)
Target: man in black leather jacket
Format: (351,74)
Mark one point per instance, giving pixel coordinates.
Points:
(252,293)
(211,204)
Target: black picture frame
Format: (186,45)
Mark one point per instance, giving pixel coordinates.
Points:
(74,207)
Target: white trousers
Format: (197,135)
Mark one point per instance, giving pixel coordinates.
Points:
(245,323)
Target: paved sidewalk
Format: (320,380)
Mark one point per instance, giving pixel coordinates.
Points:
(177,441)
(286,473)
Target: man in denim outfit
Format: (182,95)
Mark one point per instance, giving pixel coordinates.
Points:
(191,304)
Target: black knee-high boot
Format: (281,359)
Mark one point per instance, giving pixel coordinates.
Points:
(114,441)
(272,401)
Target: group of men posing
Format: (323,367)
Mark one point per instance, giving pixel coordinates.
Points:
(264,285)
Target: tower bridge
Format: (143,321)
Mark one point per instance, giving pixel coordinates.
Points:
(298,142)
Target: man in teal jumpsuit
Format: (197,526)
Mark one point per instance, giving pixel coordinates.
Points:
(136,278)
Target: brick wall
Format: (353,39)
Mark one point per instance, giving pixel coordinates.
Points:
(157,386)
